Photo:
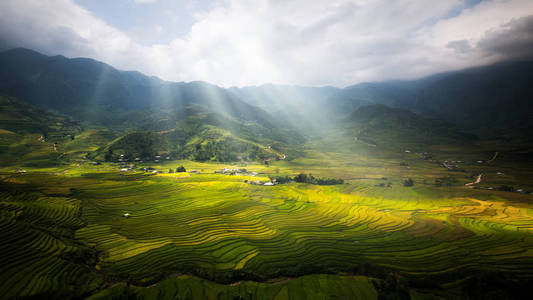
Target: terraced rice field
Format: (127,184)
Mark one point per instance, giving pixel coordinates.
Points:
(66,231)
(39,252)
(220,223)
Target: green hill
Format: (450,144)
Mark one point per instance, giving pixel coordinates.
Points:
(18,117)
(198,134)
(30,136)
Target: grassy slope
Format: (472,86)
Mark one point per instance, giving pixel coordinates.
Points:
(28,134)
(381,124)
(198,134)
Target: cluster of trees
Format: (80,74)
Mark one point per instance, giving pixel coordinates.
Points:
(224,150)
(179,169)
(445,181)
(307,178)
(214,146)
(441,181)
(507,188)
(408,182)
(212,149)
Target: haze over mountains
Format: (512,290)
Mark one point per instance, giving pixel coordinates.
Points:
(495,97)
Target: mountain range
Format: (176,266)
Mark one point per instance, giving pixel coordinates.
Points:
(202,121)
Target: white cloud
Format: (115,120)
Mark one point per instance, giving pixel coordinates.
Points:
(144,1)
(337,42)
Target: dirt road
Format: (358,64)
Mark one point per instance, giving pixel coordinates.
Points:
(478,180)
(494,157)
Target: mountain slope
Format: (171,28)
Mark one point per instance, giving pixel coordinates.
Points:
(96,92)
(128,102)
(198,134)
(497,96)
(378,124)
(30,136)
(494,99)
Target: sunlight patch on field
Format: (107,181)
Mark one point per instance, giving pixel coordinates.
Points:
(219,221)
(492,211)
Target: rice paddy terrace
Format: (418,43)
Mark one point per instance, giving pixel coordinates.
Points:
(65,233)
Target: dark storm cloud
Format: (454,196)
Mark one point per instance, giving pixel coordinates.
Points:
(36,33)
(513,40)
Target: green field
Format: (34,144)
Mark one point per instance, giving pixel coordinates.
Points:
(210,235)
(305,287)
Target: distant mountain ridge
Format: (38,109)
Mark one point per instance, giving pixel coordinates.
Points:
(497,96)
(194,120)
(91,90)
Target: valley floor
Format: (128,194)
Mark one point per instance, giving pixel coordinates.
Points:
(82,229)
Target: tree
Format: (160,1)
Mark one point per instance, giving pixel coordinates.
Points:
(280,179)
(301,177)
(170,170)
(129,156)
(506,188)
(109,155)
(181,169)
(408,182)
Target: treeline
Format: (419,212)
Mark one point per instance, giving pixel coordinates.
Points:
(227,149)
(389,284)
(306,178)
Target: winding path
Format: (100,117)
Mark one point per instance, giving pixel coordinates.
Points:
(478,180)
(494,157)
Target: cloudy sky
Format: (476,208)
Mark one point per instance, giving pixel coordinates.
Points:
(250,42)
